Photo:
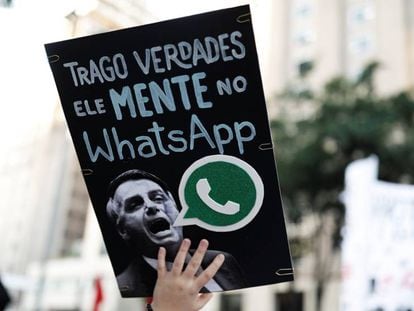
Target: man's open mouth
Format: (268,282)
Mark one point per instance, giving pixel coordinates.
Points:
(159,225)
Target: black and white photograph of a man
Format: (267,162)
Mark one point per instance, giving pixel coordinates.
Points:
(142,209)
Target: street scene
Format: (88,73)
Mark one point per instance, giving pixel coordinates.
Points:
(280,131)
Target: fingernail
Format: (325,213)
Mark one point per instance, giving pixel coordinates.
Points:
(221,257)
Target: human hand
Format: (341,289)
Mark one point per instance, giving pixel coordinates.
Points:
(178,290)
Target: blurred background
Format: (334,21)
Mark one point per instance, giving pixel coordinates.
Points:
(338,78)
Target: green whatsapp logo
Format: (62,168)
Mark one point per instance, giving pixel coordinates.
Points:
(219,193)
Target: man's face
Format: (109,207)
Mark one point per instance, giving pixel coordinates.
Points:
(146,214)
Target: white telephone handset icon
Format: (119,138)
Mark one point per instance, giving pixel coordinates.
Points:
(203,190)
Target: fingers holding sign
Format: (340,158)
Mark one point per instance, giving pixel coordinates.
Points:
(196,259)
(180,257)
(178,289)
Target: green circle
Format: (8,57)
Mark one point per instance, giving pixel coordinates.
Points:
(228,182)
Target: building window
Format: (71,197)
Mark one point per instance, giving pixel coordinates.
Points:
(305,37)
(305,67)
(361,45)
(360,14)
(5,3)
(372,286)
(303,9)
(230,302)
(289,301)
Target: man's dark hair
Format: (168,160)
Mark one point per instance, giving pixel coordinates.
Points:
(134,174)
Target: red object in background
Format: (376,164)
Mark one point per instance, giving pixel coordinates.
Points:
(98,293)
(148,300)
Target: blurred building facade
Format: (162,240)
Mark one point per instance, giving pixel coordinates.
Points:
(36,162)
(340,37)
(70,283)
(50,219)
(43,215)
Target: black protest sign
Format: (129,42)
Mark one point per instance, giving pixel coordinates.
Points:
(170,127)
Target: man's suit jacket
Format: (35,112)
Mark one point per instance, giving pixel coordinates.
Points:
(138,279)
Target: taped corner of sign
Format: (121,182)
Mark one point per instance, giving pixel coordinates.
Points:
(266,146)
(243,18)
(53,58)
(284,271)
(87,172)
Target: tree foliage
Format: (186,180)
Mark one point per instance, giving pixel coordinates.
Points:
(319,133)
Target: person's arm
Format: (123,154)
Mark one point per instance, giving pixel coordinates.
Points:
(178,290)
